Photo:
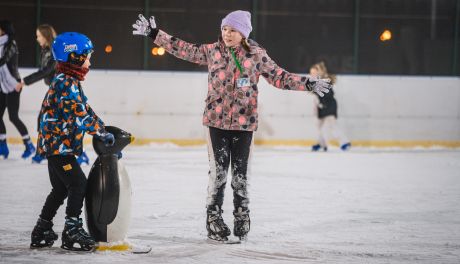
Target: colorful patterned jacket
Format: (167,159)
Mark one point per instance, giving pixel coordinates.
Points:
(65,116)
(228,106)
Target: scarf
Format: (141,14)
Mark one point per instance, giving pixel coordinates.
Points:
(72,70)
(7,81)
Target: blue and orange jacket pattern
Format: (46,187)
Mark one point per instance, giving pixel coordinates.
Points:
(65,117)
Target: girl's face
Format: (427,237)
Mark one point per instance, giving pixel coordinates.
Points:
(2,32)
(40,39)
(314,72)
(231,36)
(87,63)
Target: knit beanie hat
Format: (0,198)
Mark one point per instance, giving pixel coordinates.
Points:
(239,20)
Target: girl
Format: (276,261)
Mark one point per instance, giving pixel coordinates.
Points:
(326,110)
(65,117)
(10,83)
(45,36)
(234,65)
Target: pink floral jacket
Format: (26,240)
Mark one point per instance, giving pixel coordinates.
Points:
(228,106)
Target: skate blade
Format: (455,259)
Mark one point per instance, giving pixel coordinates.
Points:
(40,246)
(85,248)
(222,240)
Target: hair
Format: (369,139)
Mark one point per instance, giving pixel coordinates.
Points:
(48,33)
(8,28)
(321,67)
(245,44)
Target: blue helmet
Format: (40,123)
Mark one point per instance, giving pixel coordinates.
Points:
(74,44)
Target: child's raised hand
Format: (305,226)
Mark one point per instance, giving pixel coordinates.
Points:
(319,86)
(143,26)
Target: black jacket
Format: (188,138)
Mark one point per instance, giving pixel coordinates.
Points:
(45,71)
(10,57)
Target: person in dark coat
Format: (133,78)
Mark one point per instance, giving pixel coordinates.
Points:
(10,89)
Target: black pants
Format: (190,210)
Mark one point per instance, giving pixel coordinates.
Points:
(11,101)
(67,180)
(225,147)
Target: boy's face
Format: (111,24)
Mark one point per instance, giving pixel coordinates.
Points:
(87,63)
(231,36)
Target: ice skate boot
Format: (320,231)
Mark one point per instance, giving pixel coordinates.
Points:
(43,234)
(318,147)
(241,223)
(30,149)
(346,146)
(75,234)
(4,151)
(37,159)
(217,229)
(83,158)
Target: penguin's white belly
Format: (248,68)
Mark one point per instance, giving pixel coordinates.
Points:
(117,230)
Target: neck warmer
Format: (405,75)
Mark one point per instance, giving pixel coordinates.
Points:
(72,70)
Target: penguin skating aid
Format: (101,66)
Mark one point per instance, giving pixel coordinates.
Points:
(108,197)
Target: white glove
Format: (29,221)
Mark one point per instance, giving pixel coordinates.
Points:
(144,27)
(319,86)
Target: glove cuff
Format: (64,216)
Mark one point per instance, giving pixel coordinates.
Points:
(309,85)
(153,33)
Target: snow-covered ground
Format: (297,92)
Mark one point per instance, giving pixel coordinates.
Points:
(363,206)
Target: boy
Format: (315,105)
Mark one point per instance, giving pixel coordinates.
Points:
(65,117)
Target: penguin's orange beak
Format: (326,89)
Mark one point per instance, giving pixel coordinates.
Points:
(131,139)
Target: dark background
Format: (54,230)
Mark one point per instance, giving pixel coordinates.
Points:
(296,33)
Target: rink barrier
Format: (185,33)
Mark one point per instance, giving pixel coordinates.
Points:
(293,143)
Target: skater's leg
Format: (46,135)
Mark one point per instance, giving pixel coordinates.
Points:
(71,175)
(337,133)
(326,131)
(13,100)
(2,112)
(219,160)
(322,142)
(43,234)
(58,191)
(69,172)
(240,149)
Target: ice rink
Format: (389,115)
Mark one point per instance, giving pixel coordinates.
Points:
(363,206)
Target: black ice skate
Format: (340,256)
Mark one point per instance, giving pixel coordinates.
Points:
(75,234)
(241,223)
(43,234)
(217,229)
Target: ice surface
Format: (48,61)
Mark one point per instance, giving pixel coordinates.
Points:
(363,206)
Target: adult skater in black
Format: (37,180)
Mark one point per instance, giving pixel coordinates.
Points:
(10,83)
(65,118)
